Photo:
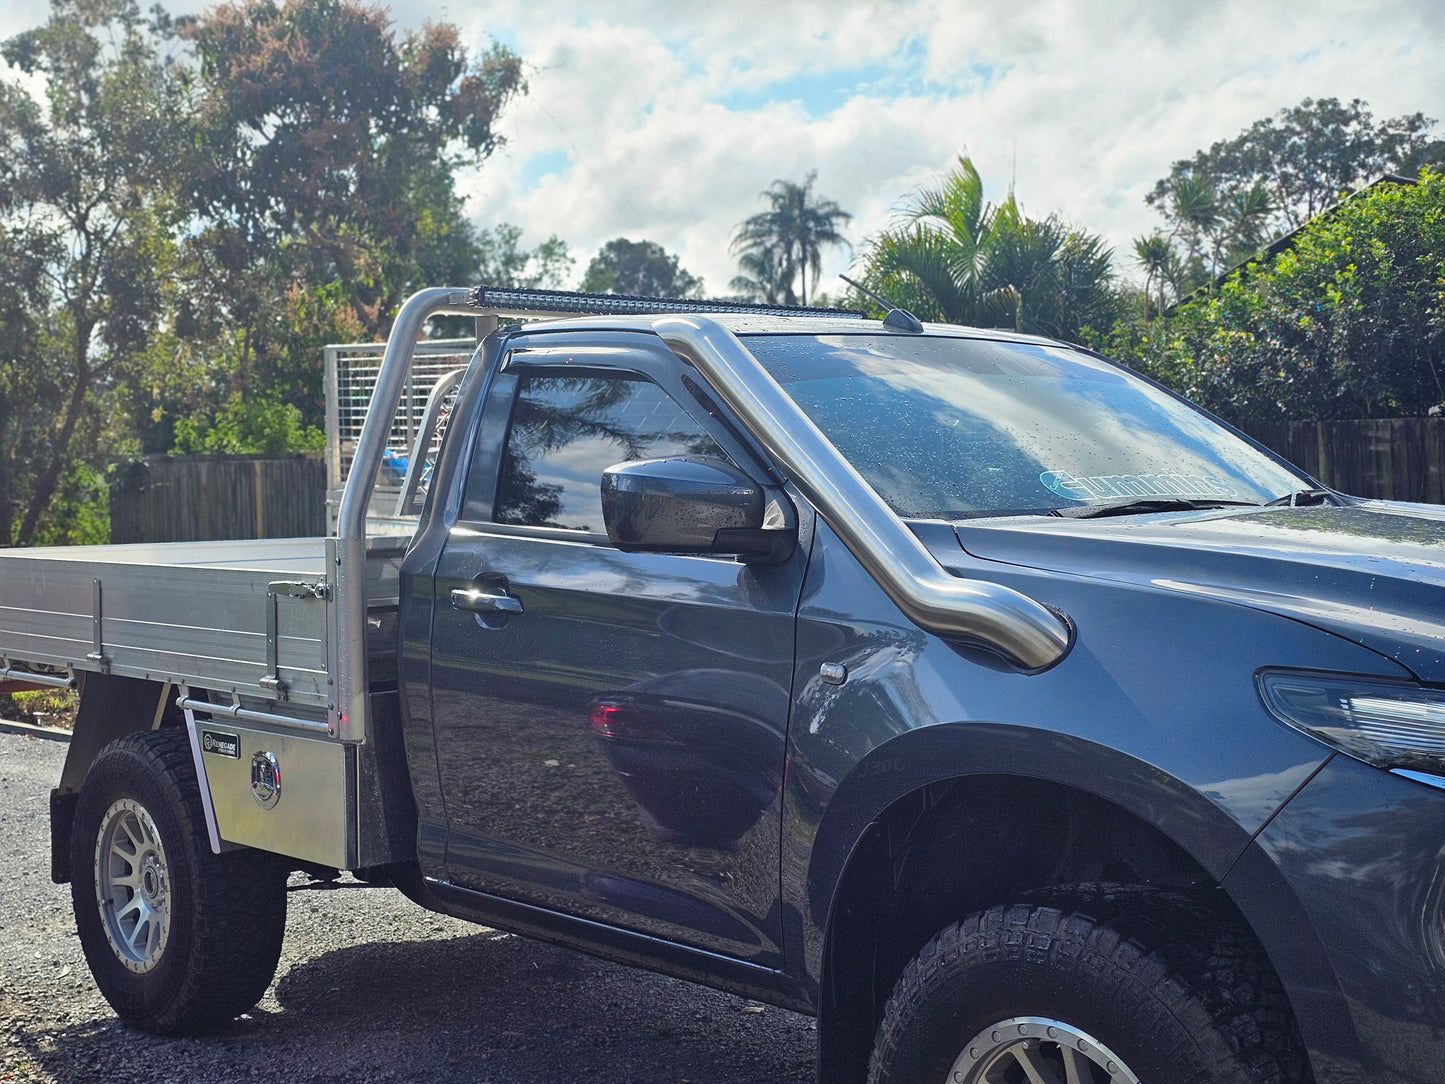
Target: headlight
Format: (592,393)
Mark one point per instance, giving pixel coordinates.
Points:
(1385,723)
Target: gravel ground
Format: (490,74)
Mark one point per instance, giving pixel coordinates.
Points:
(370,987)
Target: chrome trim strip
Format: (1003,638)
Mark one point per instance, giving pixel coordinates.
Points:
(1028,635)
(1420,777)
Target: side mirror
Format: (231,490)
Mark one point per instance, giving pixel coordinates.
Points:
(692,504)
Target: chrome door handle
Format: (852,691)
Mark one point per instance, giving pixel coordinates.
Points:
(477,601)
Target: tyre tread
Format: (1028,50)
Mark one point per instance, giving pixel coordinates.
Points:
(237,911)
(1215,997)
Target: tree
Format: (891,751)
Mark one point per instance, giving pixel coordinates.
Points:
(1247,215)
(760,279)
(178,240)
(503,262)
(1160,262)
(331,143)
(952,256)
(1426,155)
(28,394)
(88,209)
(641,268)
(1194,213)
(792,232)
(324,193)
(1343,323)
(1286,169)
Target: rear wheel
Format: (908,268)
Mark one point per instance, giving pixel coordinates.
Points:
(1030,994)
(177,937)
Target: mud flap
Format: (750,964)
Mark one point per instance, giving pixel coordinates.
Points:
(62,816)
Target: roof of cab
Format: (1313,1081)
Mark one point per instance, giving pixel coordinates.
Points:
(563,310)
(769,324)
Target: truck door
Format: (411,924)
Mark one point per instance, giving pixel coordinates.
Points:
(610,727)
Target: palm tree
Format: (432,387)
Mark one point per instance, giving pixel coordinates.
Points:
(1156,256)
(1246,216)
(760,279)
(931,260)
(952,256)
(793,232)
(1194,209)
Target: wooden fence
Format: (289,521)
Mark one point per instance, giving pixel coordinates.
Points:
(191,498)
(1400,459)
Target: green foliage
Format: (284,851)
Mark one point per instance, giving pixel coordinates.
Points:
(641,268)
(327,143)
(187,383)
(1304,158)
(330,144)
(954,257)
(249,425)
(1348,322)
(179,236)
(779,246)
(1226,203)
(760,277)
(51,707)
(503,262)
(1162,267)
(88,213)
(80,511)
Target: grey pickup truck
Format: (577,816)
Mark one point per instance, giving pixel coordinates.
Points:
(965,689)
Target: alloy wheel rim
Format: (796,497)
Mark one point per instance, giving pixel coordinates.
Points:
(132,884)
(1037,1050)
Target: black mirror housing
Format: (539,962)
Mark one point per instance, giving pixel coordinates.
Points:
(690,504)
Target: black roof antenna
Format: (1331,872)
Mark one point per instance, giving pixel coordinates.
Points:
(898,319)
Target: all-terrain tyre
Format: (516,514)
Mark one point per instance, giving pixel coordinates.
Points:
(178,938)
(1032,992)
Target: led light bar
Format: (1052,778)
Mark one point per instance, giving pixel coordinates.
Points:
(522,302)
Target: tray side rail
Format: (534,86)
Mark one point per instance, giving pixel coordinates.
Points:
(242,632)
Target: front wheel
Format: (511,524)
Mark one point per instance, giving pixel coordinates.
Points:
(177,937)
(1029,994)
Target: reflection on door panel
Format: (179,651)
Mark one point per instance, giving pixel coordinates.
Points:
(616,749)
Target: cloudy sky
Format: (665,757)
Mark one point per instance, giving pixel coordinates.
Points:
(658,120)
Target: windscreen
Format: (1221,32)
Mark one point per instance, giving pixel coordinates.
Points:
(946,427)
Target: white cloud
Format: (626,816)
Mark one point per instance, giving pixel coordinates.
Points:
(667,118)
(656,120)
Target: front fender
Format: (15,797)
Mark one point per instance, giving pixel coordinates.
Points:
(951,751)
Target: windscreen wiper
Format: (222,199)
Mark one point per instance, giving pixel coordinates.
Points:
(1142,506)
(1301,497)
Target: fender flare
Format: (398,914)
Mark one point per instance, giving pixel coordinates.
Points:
(111,707)
(1223,848)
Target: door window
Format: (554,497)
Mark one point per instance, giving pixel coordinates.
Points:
(565,430)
